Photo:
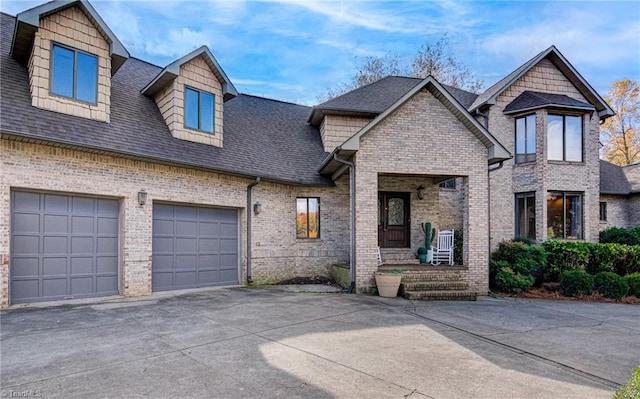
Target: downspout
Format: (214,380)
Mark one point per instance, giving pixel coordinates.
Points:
(249,210)
(352,205)
(489,170)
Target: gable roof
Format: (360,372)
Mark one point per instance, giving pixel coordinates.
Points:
(632,173)
(530,100)
(28,22)
(552,54)
(374,98)
(262,137)
(497,152)
(613,180)
(172,70)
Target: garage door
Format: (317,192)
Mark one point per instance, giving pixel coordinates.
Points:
(62,247)
(194,247)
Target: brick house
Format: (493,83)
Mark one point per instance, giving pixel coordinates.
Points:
(619,195)
(121,178)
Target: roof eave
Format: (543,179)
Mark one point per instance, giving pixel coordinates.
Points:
(28,22)
(570,107)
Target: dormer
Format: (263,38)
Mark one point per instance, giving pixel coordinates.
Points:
(71,55)
(190,93)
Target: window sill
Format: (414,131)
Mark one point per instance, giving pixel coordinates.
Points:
(574,163)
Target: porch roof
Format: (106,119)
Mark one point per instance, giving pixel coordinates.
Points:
(497,152)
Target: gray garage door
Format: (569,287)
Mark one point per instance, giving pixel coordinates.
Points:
(62,247)
(194,247)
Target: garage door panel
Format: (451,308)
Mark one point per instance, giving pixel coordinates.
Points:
(26,202)
(228,245)
(81,265)
(56,203)
(107,245)
(82,225)
(228,275)
(25,245)
(24,289)
(53,245)
(82,285)
(26,223)
(186,262)
(187,247)
(81,205)
(54,266)
(107,264)
(162,262)
(228,260)
(55,224)
(54,287)
(185,279)
(184,228)
(59,259)
(25,267)
(162,245)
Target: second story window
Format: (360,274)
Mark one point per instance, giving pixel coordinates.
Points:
(198,110)
(74,74)
(564,138)
(526,139)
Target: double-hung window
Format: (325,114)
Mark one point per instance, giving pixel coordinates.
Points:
(74,74)
(526,215)
(526,139)
(198,110)
(308,217)
(564,215)
(564,138)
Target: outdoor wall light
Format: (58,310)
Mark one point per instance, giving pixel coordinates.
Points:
(257,208)
(421,192)
(142,196)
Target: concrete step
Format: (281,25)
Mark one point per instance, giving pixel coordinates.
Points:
(424,277)
(435,286)
(440,295)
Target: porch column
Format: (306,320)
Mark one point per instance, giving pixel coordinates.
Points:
(366,228)
(476,234)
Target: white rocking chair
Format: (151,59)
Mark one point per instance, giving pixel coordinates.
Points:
(444,251)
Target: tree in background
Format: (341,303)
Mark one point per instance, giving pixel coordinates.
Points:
(620,134)
(433,59)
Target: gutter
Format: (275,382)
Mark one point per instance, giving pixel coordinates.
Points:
(352,222)
(249,187)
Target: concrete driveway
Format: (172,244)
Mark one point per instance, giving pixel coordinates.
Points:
(272,342)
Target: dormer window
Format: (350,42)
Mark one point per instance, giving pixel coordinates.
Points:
(564,138)
(74,74)
(199,107)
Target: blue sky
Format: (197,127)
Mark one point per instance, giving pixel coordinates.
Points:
(293,49)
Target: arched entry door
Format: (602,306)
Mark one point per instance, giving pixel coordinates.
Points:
(393,219)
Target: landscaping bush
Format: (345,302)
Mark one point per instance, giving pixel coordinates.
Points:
(508,281)
(631,390)
(618,235)
(562,256)
(634,284)
(629,260)
(610,285)
(604,257)
(574,282)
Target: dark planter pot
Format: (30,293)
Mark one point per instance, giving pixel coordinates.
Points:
(423,258)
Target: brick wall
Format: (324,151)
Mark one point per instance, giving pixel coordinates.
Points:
(542,175)
(422,138)
(72,28)
(451,206)
(618,207)
(170,100)
(277,253)
(335,130)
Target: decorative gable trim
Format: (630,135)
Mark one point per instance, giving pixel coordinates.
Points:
(171,71)
(497,152)
(28,22)
(552,54)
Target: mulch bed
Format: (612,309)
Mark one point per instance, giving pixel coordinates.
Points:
(550,291)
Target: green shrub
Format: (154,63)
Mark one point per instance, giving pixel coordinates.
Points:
(618,235)
(634,283)
(631,390)
(458,255)
(629,260)
(563,256)
(523,259)
(610,285)
(508,281)
(603,257)
(574,282)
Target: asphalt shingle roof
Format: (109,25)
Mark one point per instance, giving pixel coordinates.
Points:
(532,100)
(262,137)
(613,179)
